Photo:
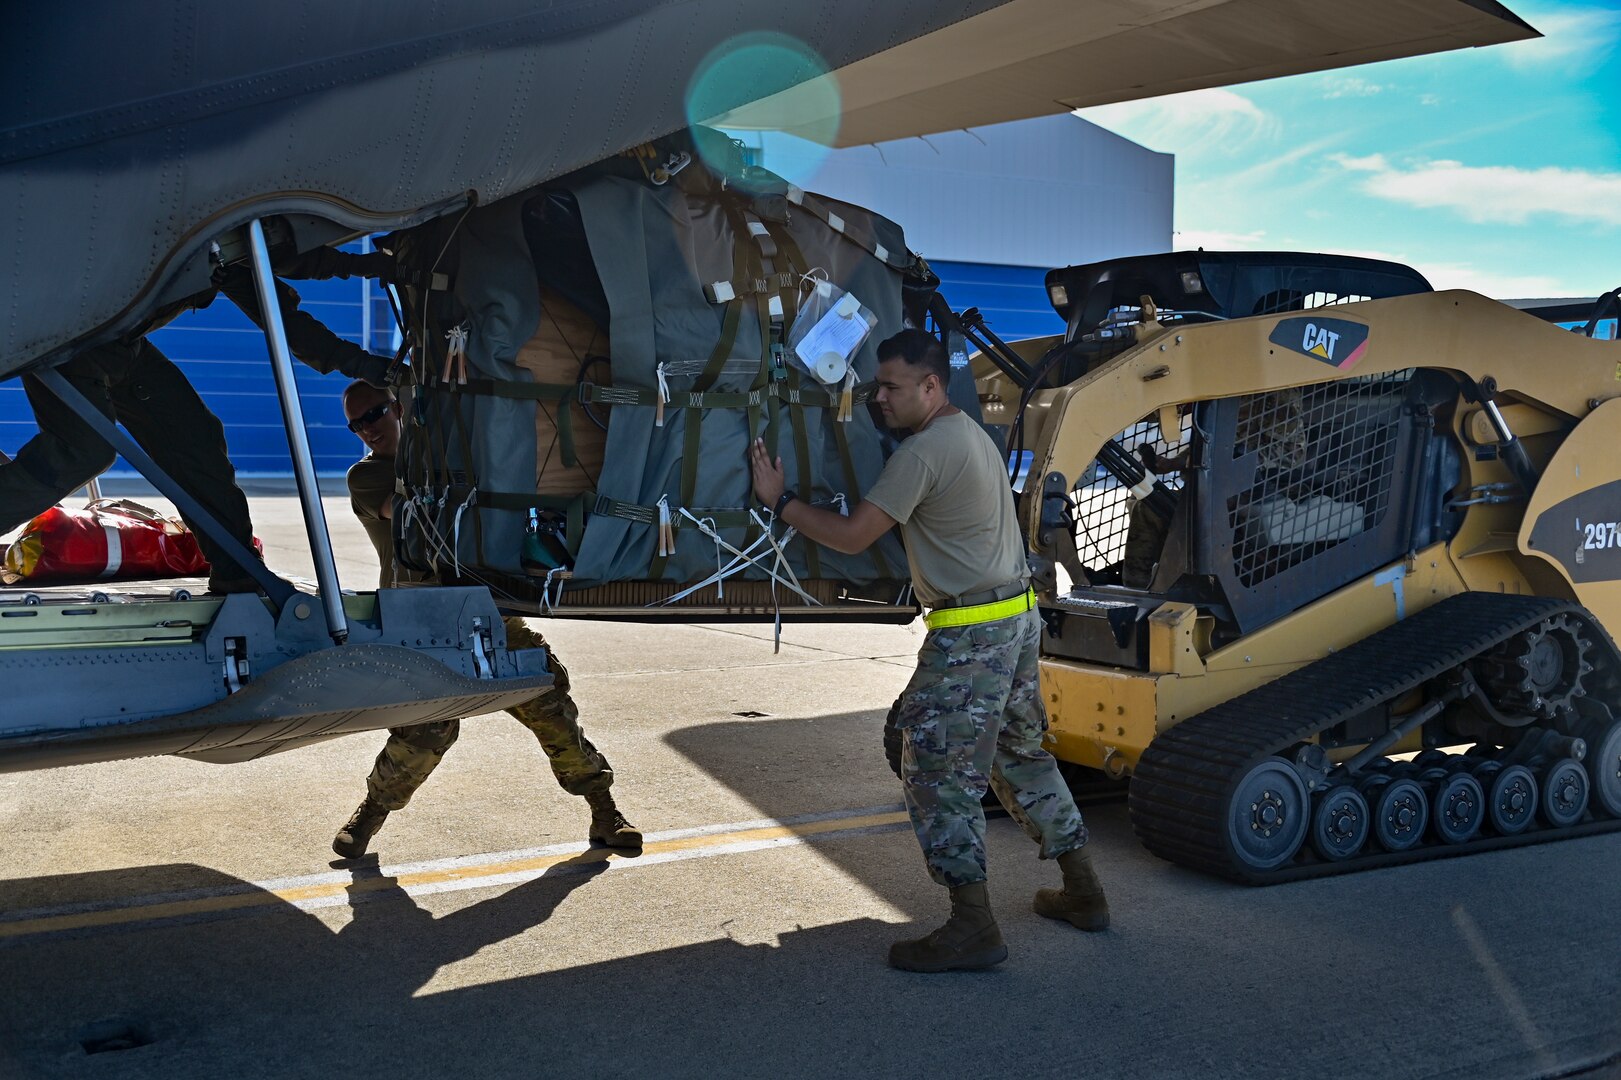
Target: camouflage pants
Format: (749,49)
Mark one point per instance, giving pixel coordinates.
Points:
(412,753)
(972,715)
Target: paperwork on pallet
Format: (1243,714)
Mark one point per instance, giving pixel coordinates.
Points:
(838,326)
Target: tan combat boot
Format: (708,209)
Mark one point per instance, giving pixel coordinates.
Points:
(1080,902)
(351,841)
(608,825)
(969,940)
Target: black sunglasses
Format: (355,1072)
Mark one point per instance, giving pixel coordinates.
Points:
(369,417)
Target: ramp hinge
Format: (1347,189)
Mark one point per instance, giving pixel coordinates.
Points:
(482,648)
(236,664)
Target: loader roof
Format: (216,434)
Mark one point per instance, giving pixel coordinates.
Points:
(1223,284)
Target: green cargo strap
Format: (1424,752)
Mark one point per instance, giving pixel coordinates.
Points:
(506,388)
(822,397)
(785,244)
(721,517)
(536,392)
(679,399)
(746,262)
(714,516)
(642,515)
(852,491)
(649,516)
(723,292)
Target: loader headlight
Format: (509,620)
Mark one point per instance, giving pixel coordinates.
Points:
(1191,282)
(1059,294)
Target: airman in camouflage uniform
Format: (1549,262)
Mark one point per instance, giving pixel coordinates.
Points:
(972,714)
(412,753)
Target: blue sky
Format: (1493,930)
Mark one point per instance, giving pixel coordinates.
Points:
(1494,169)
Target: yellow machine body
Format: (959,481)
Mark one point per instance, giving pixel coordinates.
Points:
(1557,391)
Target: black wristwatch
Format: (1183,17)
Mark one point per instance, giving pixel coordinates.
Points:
(783,500)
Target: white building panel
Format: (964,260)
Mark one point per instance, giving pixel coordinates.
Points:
(1053,191)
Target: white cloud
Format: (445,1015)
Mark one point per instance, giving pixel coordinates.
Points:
(1371,163)
(1503,286)
(1500,194)
(1450,275)
(1341,86)
(1187,123)
(1429,99)
(1216,240)
(1576,39)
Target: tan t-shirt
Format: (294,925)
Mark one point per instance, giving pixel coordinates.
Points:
(948,487)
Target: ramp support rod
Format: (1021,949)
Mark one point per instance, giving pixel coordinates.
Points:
(292,415)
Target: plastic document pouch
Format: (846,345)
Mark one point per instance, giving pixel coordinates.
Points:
(830,327)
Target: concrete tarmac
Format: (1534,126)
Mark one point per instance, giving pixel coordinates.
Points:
(171,919)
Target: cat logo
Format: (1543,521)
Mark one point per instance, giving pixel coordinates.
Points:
(1320,341)
(1336,342)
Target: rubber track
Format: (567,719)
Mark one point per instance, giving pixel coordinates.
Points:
(1182,784)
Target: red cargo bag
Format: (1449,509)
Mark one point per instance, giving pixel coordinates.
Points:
(111,540)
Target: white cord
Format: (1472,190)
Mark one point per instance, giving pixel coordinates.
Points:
(546,603)
(745,557)
(456,531)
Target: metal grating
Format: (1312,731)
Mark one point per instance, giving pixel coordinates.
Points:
(1324,460)
(1280,300)
(1103,505)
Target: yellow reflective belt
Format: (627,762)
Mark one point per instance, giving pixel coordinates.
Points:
(980,613)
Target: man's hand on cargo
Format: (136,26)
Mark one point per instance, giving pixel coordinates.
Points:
(768,477)
(850,535)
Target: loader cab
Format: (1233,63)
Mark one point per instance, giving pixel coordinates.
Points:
(1279,497)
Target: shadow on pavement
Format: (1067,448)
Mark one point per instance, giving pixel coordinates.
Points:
(1398,973)
(278,993)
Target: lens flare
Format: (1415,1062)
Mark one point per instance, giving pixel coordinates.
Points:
(770,83)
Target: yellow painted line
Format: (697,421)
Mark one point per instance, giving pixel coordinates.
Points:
(302,894)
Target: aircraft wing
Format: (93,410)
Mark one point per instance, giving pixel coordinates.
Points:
(1036,57)
(131,138)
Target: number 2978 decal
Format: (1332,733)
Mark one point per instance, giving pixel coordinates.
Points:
(1600,535)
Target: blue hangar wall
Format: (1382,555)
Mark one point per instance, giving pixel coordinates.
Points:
(226,359)
(992,209)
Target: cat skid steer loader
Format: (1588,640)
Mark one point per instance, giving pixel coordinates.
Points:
(1343,559)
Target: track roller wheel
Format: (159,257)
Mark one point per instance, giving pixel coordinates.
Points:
(1340,823)
(1267,815)
(1457,808)
(1564,793)
(1400,812)
(1604,768)
(1511,800)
